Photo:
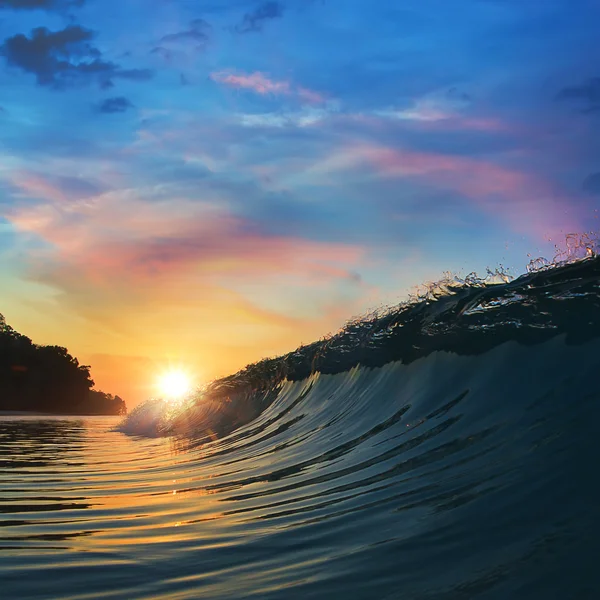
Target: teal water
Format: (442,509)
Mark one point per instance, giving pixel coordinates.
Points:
(453,477)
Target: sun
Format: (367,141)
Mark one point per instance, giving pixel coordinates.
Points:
(174,384)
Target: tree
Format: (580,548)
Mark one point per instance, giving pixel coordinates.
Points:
(47,378)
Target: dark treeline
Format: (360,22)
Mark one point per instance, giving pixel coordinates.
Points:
(47,379)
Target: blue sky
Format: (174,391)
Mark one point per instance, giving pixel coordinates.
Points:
(213,182)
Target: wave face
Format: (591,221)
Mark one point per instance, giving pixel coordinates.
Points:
(446,449)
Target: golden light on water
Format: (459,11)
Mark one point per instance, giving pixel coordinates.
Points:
(174,384)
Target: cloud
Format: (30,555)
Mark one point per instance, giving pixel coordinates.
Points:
(58,189)
(591,184)
(163,52)
(530,204)
(117,249)
(115,105)
(261,84)
(39,4)
(107,232)
(441,110)
(305,117)
(255,20)
(199,31)
(183,46)
(65,58)
(257,82)
(588,93)
(437,106)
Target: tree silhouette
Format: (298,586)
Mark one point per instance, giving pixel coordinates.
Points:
(47,379)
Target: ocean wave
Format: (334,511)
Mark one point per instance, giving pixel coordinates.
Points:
(463,315)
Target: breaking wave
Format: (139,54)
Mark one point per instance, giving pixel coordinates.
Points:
(463,315)
(444,448)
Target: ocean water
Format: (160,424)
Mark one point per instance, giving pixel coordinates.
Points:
(442,450)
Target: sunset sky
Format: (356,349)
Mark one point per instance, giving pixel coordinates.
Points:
(205,183)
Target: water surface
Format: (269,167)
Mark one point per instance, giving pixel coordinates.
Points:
(478,482)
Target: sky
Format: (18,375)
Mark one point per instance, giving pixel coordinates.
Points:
(204,183)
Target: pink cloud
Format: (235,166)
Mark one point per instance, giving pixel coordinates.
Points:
(439,110)
(529,203)
(257,82)
(261,84)
(118,235)
(310,96)
(35,185)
